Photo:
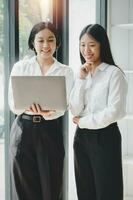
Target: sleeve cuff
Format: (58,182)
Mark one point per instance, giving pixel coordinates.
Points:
(81,123)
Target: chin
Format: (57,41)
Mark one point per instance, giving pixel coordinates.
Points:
(46,56)
(89,60)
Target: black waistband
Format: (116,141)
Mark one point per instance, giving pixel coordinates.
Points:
(101,129)
(39,118)
(33,118)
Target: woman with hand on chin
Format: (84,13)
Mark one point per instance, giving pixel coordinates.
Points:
(36,142)
(98,101)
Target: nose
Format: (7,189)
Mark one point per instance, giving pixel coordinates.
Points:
(87,49)
(45,44)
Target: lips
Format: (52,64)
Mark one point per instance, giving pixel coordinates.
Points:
(88,57)
(45,51)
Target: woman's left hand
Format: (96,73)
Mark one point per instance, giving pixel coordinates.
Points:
(76,120)
(37,110)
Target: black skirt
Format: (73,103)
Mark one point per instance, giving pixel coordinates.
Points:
(36,158)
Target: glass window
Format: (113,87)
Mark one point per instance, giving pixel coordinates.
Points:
(78,18)
(2,160)
(30,13)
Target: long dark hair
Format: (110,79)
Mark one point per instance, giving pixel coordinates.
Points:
(39,27)
(100,35)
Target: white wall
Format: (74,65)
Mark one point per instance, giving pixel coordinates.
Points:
(121,36)
(82,13)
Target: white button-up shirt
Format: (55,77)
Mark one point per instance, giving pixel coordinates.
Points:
(100,99)
(30,67)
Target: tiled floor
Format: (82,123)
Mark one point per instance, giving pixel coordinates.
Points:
(2,170)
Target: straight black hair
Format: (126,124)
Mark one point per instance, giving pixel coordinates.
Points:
(100,35)
(39,27)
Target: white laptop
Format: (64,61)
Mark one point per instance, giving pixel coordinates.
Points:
(47,91)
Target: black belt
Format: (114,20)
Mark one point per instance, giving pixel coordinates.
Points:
(33,118)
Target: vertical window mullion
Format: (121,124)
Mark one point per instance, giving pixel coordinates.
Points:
(101,12)
(11,55)
(61,21)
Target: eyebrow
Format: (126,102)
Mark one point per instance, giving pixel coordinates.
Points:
(40,37)
(52,36)
(85,42)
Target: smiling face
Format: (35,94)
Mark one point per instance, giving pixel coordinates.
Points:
(90,49)
(45,44)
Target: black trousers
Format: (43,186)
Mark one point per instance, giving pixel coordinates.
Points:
(36,157)
(98,166)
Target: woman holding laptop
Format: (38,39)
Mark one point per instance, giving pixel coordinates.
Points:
(36,144)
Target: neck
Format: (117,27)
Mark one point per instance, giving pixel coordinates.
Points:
(45,63)
(95,65)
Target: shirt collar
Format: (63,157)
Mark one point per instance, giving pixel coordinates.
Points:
(53,67)
(102,66)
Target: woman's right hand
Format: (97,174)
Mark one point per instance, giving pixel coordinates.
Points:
(85,69)
(37,110)
(76,120)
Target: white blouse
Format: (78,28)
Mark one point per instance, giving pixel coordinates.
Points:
(30,67)
(99,100)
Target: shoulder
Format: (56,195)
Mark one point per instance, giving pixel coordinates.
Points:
(117,74)
(64,68)
(20,66)
(117,71)
(114,70)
